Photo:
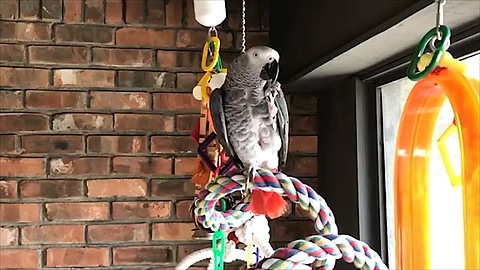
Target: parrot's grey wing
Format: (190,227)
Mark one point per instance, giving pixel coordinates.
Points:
(219,123)
(283,126)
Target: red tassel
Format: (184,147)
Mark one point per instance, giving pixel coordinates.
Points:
(267,203)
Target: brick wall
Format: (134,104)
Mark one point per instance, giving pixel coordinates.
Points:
(96,111)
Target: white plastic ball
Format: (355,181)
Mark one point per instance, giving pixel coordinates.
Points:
(197,92)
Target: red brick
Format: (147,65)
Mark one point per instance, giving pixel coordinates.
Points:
(303,125)
(227,40)
(19,212)
(8,236)
(94,11)
(7,144)
(117,144)
(137,210)
(57,55)
(11,52)
(175,101)
(172,187)
(18,258)
(183,209)
(56,99)
(303,104)
(142,165)
(51,189)
(52,9)
(77,211)
(146,79)
(288,231)
(84,78)
(184,165)
(120,100)
(172,231)
(79,166)
(8,9)
(16,77)
(77,257)
(173,144)
(135,11)
(302,166)
(254,39)
(84,33)
(117,233)
(179,59)
(22,31)
(185,123)
(143,122)
(189,38)
(22,167)
(142,255)
(116,187)
(52,144)
(186,80)
(191,14)
(10,99)
(114,12)
(166,58)
(23,122)
(147,37)
(174,10)
(8,189)
(30,9)
(156,12)
(304,144)
(185,250)
(54,234)
(73,11)
(79,121)
(122,57)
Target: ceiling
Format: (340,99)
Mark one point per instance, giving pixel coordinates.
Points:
(394,42)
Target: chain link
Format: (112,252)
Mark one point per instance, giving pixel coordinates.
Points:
(244,38)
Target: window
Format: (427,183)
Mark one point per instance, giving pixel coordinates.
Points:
(444,192)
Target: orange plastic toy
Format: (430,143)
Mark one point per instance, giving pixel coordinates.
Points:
(413,147)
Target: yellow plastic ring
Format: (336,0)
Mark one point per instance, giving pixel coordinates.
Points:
(216,54)
(203,85)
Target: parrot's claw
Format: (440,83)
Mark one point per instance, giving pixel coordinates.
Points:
(250,177)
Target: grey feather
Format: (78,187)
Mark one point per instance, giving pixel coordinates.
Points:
(250,114)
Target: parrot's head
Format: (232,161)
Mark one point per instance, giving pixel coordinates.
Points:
(265,60)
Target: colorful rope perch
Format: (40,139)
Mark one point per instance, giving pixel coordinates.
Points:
(321,250)
(295,190)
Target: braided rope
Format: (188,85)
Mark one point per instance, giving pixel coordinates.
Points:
(319,250)
(295,190)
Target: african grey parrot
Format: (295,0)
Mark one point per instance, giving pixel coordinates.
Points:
(250,117)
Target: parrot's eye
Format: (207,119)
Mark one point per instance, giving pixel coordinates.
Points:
(255,55)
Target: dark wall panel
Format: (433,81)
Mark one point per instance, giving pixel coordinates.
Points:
(310,31)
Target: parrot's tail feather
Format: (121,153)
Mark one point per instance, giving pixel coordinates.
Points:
(267,203)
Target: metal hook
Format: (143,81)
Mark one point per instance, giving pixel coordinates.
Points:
(214,31)
(440,4)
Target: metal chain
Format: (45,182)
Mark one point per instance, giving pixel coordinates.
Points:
(244,38)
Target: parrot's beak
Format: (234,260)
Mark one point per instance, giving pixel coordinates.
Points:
(270,71)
